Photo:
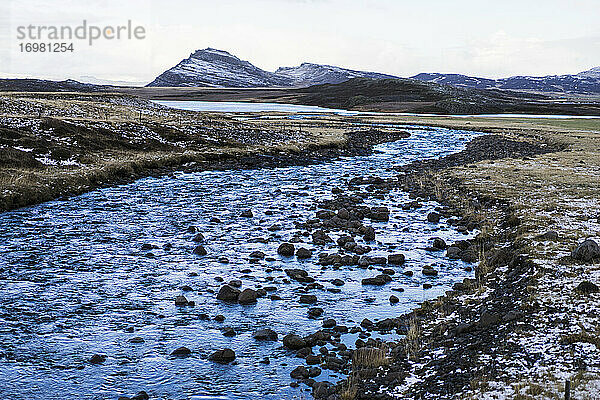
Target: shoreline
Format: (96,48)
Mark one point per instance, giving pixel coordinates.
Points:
(355,143)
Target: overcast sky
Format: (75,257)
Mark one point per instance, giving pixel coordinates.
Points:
(488,38)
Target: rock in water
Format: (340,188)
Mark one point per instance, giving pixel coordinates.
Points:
(248,296)
(97,359)
(293,342)
(224,356)
(586,251)
(378,280)
(181,301)
(247,214)
(228,293)
(200,251)
(265,334)
(299,373)
(396,259)
(286,249)
(181,352)
(433,217)
(303,253)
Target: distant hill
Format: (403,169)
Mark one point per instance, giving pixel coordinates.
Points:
(409,95)
(587,82)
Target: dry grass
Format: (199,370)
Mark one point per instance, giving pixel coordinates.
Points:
(370,357)
(412,341)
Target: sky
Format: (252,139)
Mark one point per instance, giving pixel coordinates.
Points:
(486,38)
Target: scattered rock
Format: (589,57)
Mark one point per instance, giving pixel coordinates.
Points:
(394,299)
(199,238)
(229,332)
(587,287)
(439,244)
(224,356)
(248,296)
(97,359)
(181,352)
(433,217)
(586,251)
(200,250)
(228,293)
(293,342)
(265,334)
(181,301)
(396,259)
(286,250)
(299,373)
(303,253)
(308,299)
(247,214)
(378,280)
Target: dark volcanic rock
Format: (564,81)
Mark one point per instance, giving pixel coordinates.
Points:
(265,334)
(586,251)
(228,293)
(248,296)
(286,249)
(293,342)
(181,352)
(377,280)
(224,356)
(97,359)
(587,287)
(299,373)
(433,217)
(396,259)
(308,299)
(303,253)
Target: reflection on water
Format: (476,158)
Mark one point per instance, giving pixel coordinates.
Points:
(75,282)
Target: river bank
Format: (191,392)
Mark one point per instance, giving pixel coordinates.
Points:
(525,324)
(59,145)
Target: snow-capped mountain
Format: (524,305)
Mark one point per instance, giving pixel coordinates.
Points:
(217,68)
(583,82)
(308,74)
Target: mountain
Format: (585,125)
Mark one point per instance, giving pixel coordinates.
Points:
(218,68)
(308,74)
(586,82)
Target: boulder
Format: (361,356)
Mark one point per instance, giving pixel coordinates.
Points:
(286,250)
(378,280)
(181,352)
(293,342)
(200,250)
(308,299)
(265,334)
(303,253)
(224,356)
(228,293)
(97,359)
(433,217)
(587,287)
(248,296)
(396,259)
(586,251)
(299,372)
(439,244)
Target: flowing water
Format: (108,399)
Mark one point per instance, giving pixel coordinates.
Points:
(74,281)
